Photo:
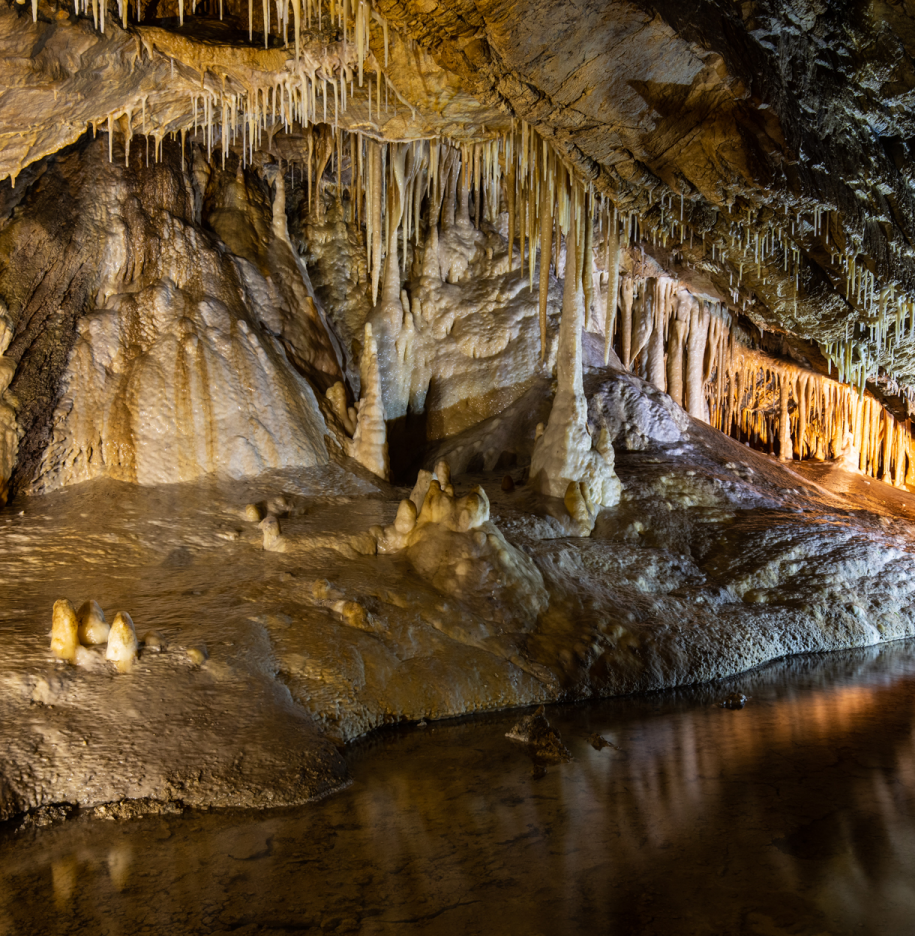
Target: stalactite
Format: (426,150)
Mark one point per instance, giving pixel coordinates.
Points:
(656,370)
(643,318)
(587,272)
(699,319)
(676,345)
(546,235)
(626,302)
(612,263)
(375,203)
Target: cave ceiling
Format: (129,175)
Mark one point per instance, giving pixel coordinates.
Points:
(763,145)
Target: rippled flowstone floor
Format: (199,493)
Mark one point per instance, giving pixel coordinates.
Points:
(793,815)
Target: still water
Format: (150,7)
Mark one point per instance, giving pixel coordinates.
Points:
(794,815)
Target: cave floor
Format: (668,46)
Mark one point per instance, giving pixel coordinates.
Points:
(717,559)
(793,815)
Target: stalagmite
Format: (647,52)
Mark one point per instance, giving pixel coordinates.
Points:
(564,453)
(369,445)
(122,643)
(64,630)
(93,628)
(273,539)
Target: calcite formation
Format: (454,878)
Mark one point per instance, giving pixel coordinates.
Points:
(452,543)
(642,271)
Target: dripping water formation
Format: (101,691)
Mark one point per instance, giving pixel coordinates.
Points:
(468,418)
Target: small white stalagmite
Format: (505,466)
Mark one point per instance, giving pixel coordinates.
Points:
(564,454)
(122,643)
(369,445)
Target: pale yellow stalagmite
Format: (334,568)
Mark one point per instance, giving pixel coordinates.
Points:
(64,630)
(546,235)
(93,627)
(612,263)
(122,643)
(626,292)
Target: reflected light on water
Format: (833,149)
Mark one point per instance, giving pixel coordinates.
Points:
(793,815)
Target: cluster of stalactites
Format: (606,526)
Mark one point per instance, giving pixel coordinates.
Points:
(686,346)
(310,97)
(352,17)
(773,404)
(678,342)
(682,344)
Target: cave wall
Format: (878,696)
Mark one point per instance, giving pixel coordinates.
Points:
(145,349)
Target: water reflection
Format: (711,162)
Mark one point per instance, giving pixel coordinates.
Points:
(793,815)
